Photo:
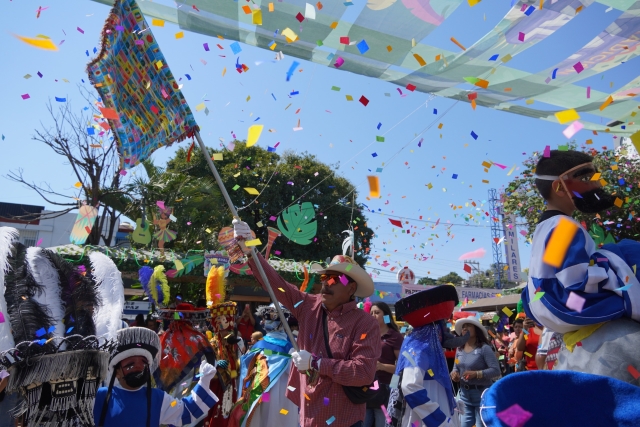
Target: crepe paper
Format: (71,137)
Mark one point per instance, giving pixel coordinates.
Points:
(537,296)
(474,135)
(25,96)
(40,332)
(567,116)
(331,420)
(457,43)
(467,268)
(529,10)
(339,62)
(559,242)
(514,416)
(284,411)
(420,60)
(387,319)
(256,17)
(506,311)
(578,67)
(606,103)
(409,358)
(254,134)
(363,100)
(325,400)
(374,186)
(363,47)
(634,372)
(235,48)
(572,129)
(521,36)
(395,222)
(252,191)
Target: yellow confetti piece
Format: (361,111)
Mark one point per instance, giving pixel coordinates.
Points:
(253,242)
(159,64)
(284,411)
(157,22)
(208,230)
(456,361)
(224,71)
(174,403)
(430,372)
(271,7)
(334,25)
(528,354)
(529,101)
(306,397)
(421,61)
(77,184)
(374,186)
(618,202)
(45,44)
(252,191)
(200,107)
(606,103)
(559,242)
(180,35)
(217,156)
(457,43)
(440,126)
(256,17)
(349,98)
(289,35)
(506,311)
(596,176)
(254,134)
(567,116)
(280,289)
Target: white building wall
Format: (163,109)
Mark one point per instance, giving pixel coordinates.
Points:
(53,232)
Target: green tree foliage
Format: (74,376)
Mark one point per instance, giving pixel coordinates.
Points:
(452,277)
(283,180)
(621,171)
(427,281)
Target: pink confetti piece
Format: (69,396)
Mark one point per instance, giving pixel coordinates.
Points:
(139,42)
(588,92)
(160,204)
(375,385)
(514,416)
(572,129)
(578,67)
(1,317)
(575,302)
(386,414)
(344,280)
(25,96)
(277,253)
(521,36)
(339,62)
(266,397)
(80,30)
(39,242)
(547,151)
(123,172)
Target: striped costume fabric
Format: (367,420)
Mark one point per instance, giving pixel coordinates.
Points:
(354,337)
(594,275)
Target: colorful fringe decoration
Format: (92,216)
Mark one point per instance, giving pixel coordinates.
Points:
(160,286)
(215,292)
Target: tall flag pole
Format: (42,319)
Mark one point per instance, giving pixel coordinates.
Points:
(143,102)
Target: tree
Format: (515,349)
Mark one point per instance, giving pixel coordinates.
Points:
(452,277)
(621,171)
(284,181)
(94,162)
(427,281)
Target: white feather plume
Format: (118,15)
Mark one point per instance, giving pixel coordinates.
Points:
(8,236)
(347,244)
(47,276)
(111,291)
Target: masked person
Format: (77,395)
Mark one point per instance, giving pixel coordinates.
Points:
(584,290)
(263,374)
(130,401)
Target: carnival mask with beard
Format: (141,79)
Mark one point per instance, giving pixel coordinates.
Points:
(593,201)
(137,379)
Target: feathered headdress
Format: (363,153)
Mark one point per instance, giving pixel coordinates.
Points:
(216,291)
(155,284)
(111,290)
(49,296)
(7,237)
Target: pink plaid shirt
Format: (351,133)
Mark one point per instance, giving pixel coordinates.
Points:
(354,337)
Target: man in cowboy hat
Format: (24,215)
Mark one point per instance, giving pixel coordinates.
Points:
(354,344)
(132,402)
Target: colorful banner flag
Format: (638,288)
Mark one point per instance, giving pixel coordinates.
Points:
(133,78)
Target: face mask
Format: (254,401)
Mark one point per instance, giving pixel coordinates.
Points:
(137,379)
(594,201)
(271,325)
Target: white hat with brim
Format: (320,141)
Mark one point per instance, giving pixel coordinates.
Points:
(474,322)
(342,264)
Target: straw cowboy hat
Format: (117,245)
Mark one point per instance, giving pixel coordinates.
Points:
(474,322)
(343,264)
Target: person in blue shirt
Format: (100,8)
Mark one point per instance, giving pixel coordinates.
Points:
(131,401)
(592,285)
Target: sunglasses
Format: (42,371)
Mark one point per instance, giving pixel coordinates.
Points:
(332,279)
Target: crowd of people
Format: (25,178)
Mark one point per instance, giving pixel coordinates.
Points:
(310,360)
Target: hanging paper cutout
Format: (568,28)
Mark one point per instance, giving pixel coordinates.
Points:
(84,223)
(298,223)
(164,235)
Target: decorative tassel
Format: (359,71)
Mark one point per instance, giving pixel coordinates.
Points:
(111,291)
(216,291)
(8,236)
(159,286)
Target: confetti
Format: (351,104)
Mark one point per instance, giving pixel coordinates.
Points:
(575,302)
(331,420)
(514,416)
(567,116)
(559,242)
(284,411)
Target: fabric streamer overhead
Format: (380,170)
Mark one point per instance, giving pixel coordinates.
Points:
(395,33)
(132,77)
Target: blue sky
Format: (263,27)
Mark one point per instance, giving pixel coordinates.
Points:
(334,129)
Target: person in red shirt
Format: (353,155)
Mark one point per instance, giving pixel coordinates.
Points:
(319,373)
(528,343)
(391,340)
(246,324)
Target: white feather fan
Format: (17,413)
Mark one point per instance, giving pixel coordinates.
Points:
(111,291)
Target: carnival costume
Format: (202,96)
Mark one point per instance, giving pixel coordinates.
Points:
(58,326)
(263,372)
(147,406)
(425,396)
(224,342)
(182,346)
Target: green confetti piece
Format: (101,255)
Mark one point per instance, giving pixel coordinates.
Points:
(380,138)
(336,88)
(319,43)
(235,187)
(538,296)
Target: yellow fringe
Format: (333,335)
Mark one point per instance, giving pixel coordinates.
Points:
(215,291)
(158,277)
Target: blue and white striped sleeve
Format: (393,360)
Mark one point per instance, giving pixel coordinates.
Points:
(417,398)
(189,409)
(585,272)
